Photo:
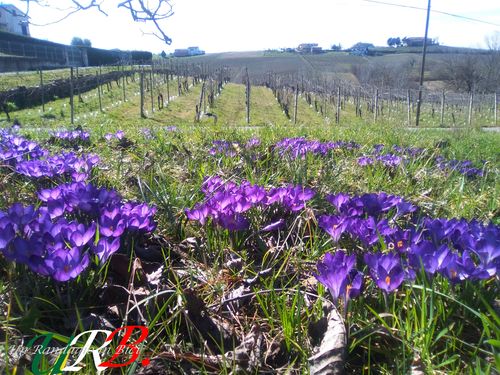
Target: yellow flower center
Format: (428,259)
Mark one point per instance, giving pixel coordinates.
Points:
(400,244)
(453,274)
(388,280)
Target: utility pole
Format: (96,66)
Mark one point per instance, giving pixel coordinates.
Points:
(424,51)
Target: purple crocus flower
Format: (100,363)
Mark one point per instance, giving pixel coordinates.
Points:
(82,235)
(431,258)
(253,142)
(400,240)
(338,200)
(276,195)
(106,247)
(17,250)
(454,270)
(274,226)
(334,225)
(296,197)
(233,221)
(254,193)
(7,232)
(353,208)
(374,204)
(40,265)
(46,195)
(198,213)
(67,264)
(404,207)
(364,161)
(369,230)
(333,272)
(139,217)
(390,160)
(20,215)
(111,223)
(240,203)
(354,284)
(385,270)
(397,148)
(488,250)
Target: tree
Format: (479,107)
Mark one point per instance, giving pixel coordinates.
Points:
(163,54)
(463,71)
(336,47)
(474,71)
(148,11)
(76,41)
(79,42)
(396,75)
(394,42)
(492,62)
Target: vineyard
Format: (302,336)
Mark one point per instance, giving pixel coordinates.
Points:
(261,223)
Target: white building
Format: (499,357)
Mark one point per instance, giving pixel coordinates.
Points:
(13,20)
(195,51)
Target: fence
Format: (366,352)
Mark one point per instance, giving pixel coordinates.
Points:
(439,108)
(152,79)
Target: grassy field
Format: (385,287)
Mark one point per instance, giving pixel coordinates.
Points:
(234,294)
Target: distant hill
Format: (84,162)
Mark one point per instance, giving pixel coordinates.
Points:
(384,66)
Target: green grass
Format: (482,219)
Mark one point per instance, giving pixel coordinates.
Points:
(435,326)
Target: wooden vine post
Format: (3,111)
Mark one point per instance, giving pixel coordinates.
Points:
(337,115)
(123,83)
(495,115)
(168,87)
(98,73)
(42,88)
(80,100)
(296,103)
(408,98)
(200,103)
(442,108)
(471,103)
(247,93)
(141,84)
(71,101)
(151,87)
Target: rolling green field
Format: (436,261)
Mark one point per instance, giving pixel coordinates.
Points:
(244,294)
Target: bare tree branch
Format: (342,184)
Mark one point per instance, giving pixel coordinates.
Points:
(148,11)
(92,4)
(141,12)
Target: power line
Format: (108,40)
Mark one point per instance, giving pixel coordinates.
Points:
(432,10)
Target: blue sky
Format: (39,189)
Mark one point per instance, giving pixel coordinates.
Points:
(235,25)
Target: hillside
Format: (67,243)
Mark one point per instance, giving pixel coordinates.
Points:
(399,69)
